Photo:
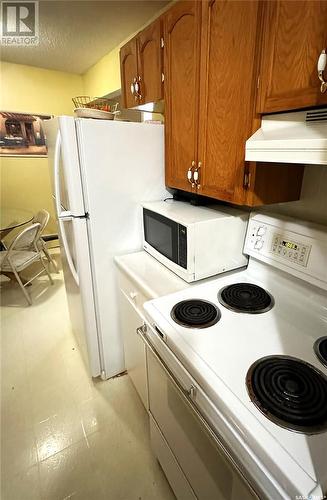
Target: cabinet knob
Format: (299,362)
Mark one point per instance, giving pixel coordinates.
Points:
(321,66)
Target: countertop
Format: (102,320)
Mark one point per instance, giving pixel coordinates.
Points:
(154,279)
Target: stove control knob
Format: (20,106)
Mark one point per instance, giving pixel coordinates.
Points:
(258,244)
(261,231)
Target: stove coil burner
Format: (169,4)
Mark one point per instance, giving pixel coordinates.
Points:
(245,297)
(290,392)
(195,313)
(320,348)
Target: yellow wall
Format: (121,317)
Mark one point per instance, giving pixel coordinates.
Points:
(25,181)
(104,76)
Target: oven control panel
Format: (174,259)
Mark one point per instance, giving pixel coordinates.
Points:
(262,239)
(298,247)
(289,249)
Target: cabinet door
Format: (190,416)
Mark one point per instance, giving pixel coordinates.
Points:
(128,71)
(134,349)
(295,33)
(229,43)
(181,90)
(150,63)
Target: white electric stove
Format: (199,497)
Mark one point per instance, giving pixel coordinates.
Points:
(260,355)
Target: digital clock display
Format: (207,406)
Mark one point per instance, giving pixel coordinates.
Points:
(290,245)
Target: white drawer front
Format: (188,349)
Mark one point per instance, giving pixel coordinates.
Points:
(132,291)
(134,349)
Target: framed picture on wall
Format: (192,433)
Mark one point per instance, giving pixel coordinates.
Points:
(21,134)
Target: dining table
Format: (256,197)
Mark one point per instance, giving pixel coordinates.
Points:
(10,218)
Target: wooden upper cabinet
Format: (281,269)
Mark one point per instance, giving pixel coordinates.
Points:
(211,71)
(294,34)
(128,71)
(181,90)
(141,62)
(150,63)
(227,95)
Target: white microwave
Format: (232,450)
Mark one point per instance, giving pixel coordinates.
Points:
(194,242)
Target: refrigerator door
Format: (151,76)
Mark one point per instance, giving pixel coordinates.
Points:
(64,166)
(78,282)
(122,164)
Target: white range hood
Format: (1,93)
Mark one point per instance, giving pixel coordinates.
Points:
(295,137)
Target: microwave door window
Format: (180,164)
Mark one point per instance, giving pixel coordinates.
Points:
(162,234)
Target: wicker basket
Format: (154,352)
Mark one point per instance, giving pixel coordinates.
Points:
(84,101)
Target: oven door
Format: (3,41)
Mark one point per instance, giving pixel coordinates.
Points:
(206,466)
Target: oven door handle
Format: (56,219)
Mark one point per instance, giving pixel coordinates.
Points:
(188,395)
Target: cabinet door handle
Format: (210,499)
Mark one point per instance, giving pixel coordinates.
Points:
(140,94)
(196,175)
(322,62)
(137,88)
(141,330)
(190,177)
(191,391)
(132,88)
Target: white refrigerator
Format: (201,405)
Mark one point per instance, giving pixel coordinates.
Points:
(101,171)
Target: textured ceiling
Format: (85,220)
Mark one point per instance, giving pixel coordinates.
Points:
(76,34)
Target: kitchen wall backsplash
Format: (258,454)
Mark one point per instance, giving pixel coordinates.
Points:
(313,202)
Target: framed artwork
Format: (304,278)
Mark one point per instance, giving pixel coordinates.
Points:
(21,134)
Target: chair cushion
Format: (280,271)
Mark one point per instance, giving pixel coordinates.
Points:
(19,258)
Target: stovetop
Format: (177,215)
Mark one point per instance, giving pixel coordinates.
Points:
(238,340)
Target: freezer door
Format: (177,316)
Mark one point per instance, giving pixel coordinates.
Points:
(64,166)
(78,283)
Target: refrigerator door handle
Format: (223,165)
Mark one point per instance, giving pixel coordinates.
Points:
(56,177)
(66,248)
